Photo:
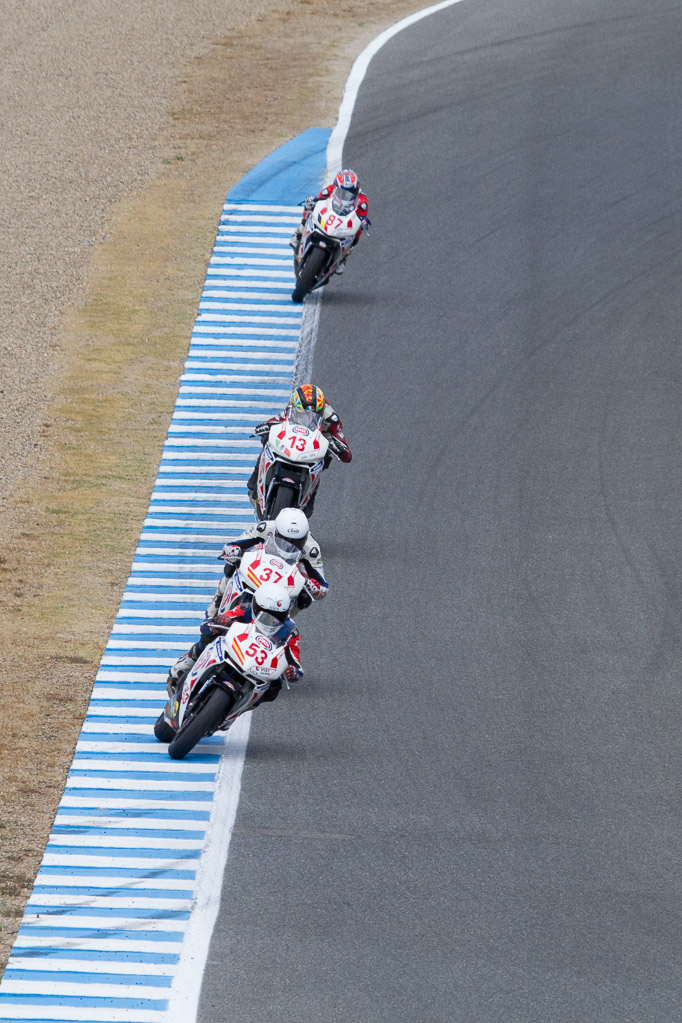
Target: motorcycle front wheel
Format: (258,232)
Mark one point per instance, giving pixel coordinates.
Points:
(209,716)
(311,270)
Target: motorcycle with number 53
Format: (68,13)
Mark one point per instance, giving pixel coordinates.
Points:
(232,674)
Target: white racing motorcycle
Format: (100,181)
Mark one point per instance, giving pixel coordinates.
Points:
(290,464)
(326,240)
(258,566)
(229,677)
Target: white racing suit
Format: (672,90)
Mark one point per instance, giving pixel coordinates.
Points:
(309,564)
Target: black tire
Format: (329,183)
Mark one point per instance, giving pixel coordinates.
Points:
(207,719)
(312,268)
(285,496)
(162,730)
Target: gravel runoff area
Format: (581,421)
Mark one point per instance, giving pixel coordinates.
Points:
(84,91)
(123,126)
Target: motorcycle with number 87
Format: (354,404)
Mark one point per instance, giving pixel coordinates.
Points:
(326,240)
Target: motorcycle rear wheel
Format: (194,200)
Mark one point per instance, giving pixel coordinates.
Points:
(207,719)
(162,730)
(284,497)
(312,268)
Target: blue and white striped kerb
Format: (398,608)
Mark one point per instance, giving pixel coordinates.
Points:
(102,931)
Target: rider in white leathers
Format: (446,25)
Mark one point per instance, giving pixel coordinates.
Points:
(288,536)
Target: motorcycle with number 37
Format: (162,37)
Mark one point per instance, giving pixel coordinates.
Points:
(326,240)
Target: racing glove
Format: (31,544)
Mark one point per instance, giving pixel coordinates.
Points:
(336,446)
(231,552)
(316,589)
(226,619)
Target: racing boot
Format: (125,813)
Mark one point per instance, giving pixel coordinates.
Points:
(181,667)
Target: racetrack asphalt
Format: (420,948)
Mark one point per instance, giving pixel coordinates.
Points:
(468,812)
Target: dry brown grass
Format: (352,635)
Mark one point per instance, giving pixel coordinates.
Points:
(64,570)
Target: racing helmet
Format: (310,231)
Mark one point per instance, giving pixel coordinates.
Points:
(308,398)
(270,607)
(346,190)
(291,532)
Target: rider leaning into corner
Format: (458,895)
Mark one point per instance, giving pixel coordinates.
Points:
(288,536)
(269,608)
(308,398)
(345,195)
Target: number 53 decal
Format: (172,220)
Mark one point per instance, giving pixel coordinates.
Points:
(259,655)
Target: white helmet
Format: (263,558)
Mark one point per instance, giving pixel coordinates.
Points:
(270,607)
(291,532)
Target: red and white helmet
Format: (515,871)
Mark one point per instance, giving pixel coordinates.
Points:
(346,191)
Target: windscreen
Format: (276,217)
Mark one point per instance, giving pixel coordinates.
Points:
(311,420)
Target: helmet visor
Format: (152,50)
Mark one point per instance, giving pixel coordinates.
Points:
(286,548)
(267,622)
(307,418)
(343,200)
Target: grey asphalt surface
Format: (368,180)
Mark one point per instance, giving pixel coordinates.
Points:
(470,812)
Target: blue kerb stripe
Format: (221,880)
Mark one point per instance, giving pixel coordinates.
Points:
(69,933)
(40,890)
(92,955)
(166,833)
(112,911)
(84,1001)
(160,813)
(237,373)
(141,775)
(82,977)
(111,852)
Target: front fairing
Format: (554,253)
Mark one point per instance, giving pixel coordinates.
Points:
(294,442)
(259,658)
(337,225)
(260,566)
